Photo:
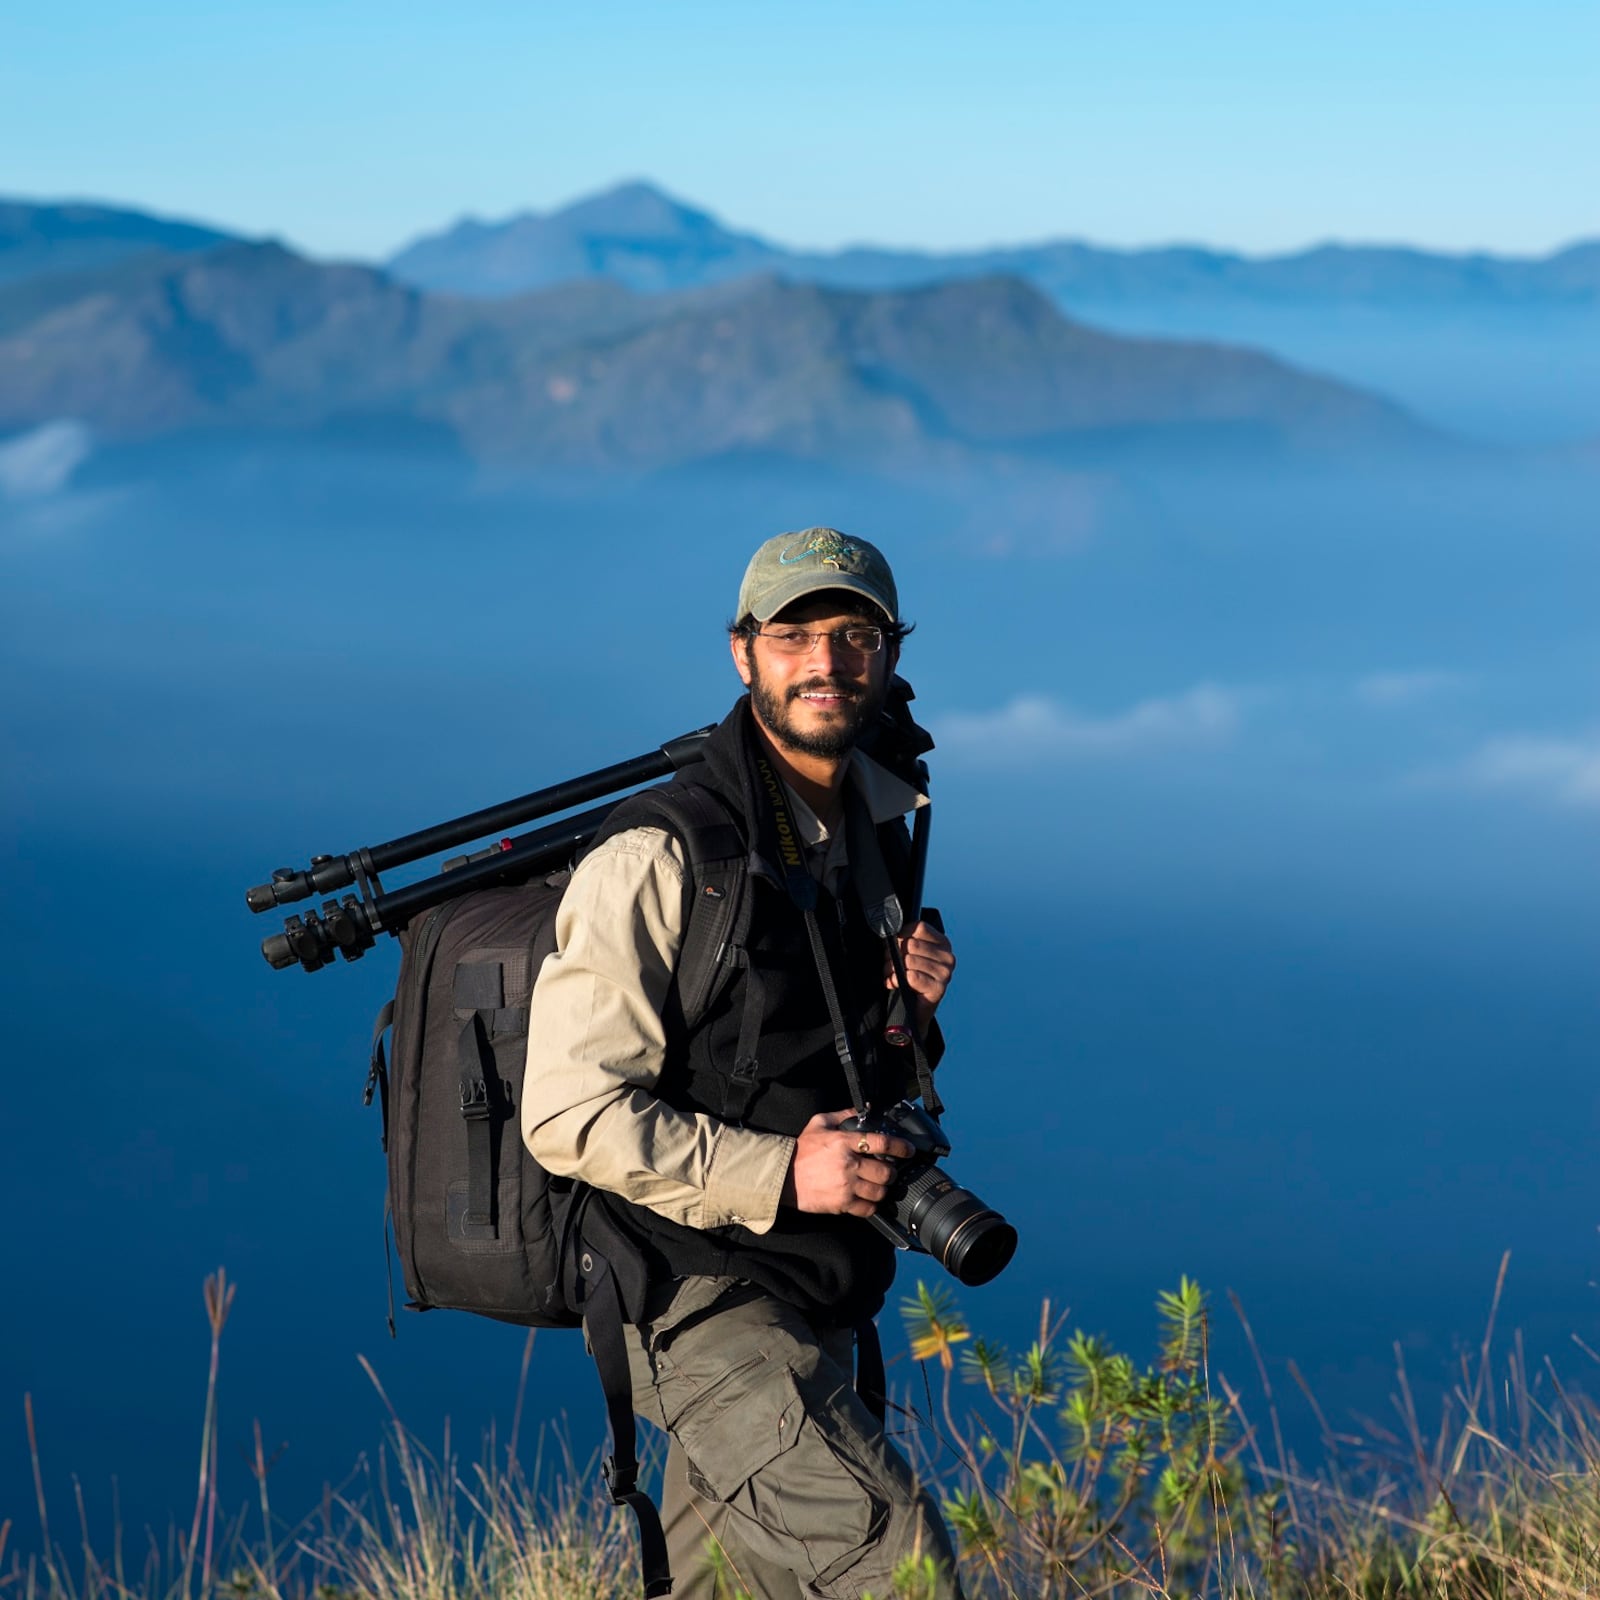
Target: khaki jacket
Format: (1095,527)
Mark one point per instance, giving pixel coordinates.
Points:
(597,1044)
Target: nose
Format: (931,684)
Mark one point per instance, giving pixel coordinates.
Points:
(824,655)
(832,659)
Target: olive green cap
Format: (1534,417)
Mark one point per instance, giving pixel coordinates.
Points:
(793,565)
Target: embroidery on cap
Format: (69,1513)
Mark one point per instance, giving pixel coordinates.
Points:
(831,549)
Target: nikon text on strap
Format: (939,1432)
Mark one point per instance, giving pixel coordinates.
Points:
(880,905)
(802,889)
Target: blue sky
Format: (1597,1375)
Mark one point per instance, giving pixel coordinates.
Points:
(348,126)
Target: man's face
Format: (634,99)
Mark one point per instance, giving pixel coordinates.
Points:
(818,704)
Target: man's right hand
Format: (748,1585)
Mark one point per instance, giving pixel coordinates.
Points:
(841,1173)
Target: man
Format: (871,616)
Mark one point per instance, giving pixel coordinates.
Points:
(717,1151)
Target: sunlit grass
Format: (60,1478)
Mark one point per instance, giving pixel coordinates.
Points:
(1066,1469)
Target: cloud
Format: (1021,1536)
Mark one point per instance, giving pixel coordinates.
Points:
(1563,771)
(39,463)
(1406,688)
(1040,727)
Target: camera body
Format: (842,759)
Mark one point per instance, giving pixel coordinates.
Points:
(927,1209)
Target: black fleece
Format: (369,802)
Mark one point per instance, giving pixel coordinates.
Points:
(836,1269)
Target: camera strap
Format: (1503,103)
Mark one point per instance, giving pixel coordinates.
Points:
(880,905)
(841,1029)
(786,850)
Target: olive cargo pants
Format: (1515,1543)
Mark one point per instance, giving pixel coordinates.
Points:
(772,1453)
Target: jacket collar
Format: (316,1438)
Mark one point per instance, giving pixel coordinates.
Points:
(728,766)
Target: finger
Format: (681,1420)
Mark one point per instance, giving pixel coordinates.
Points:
(876,1174)
(879,1144)
(829,1119)
(869,1188)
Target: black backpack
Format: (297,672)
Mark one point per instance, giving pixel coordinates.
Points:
(479,1225)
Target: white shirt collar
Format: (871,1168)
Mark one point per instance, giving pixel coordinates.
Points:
(886,796)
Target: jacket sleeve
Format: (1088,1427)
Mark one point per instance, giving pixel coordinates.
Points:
(596,1046)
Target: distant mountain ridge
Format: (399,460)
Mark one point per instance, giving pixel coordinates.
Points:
(47,238)
(644,238)
(590,377)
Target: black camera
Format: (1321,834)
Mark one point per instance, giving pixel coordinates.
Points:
(926,1209)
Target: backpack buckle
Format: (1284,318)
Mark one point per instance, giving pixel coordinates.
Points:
(475,1099)
(620,1483)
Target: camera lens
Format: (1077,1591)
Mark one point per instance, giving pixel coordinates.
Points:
(972,1241)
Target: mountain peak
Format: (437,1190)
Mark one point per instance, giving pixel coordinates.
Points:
(637,208)
(634,233)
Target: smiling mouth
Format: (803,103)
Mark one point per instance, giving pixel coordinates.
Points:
(823,698)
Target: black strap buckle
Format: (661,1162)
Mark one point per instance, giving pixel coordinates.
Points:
(475,1100)
(377,1062)
(620,1481)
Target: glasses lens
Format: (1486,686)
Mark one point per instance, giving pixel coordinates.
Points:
(866,640)
(790,641)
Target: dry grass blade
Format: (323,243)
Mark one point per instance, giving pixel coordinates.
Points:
(1070,1471)
(38,1490)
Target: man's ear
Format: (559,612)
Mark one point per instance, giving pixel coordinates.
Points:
(739,644)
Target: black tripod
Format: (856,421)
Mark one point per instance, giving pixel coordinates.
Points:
(350,927)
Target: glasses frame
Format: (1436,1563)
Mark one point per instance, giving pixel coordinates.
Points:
(837,635)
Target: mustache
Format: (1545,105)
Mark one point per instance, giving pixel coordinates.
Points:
(837,686)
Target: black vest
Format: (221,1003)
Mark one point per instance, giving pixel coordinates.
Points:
(836,1269)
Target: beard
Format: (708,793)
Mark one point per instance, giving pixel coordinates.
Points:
(836,739)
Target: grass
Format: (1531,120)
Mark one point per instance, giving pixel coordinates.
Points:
(1067,1469)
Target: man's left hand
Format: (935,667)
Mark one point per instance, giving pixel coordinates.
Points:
(930,962)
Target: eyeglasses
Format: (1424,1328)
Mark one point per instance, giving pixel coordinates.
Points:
(802,641)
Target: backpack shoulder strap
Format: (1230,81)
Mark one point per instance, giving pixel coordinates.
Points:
(716,899)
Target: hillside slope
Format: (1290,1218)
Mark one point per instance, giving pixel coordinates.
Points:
(591,377)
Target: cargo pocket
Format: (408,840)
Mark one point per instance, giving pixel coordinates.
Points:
(801,1476)
(738,1427)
